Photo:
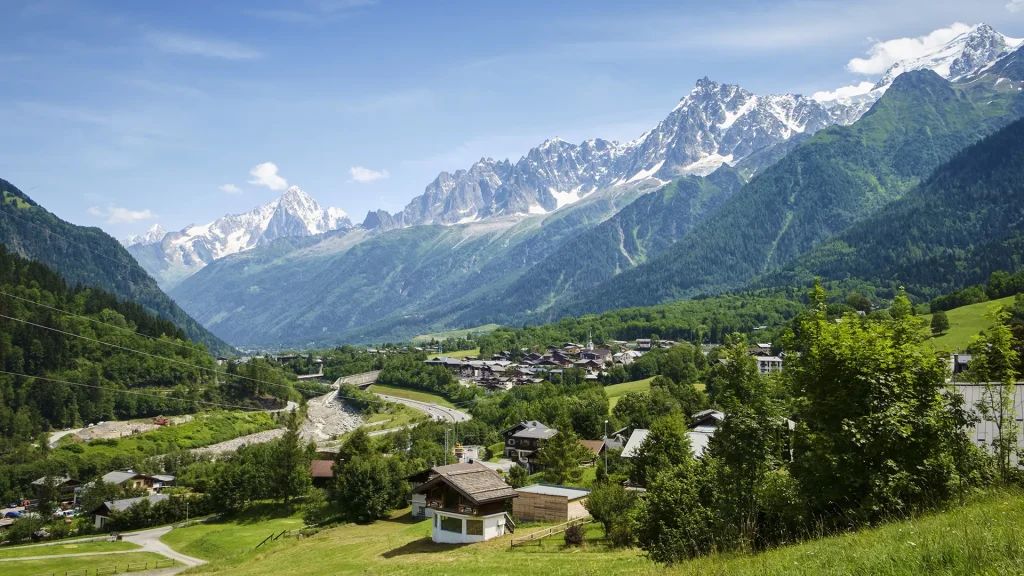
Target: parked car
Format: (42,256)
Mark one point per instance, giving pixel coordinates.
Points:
(13,514)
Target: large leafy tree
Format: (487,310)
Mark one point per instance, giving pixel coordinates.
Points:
(873,436)
(665,446)
(749,441)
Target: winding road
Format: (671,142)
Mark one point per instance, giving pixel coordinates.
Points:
(435,411)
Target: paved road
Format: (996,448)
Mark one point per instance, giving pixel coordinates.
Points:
(149,540)
(435,411)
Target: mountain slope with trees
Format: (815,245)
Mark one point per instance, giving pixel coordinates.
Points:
(839,176)
(958,227)
(635,234)
(90,257)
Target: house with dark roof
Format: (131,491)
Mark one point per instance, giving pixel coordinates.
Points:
(65,486)
(321,472)
(126,479)
(524,439)
(467,502)
(104,511)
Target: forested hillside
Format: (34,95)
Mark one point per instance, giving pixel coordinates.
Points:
(73,356)
(90,257)
(839,176)
(639,231)
(960,225)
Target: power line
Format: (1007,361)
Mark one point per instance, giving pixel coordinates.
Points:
(125,348)
(132,392)
(174,360)
(129,330)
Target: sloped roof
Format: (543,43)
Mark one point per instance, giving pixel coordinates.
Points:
(594,446)
(554,490)
(118,476)
(321,468)
(532,429)
(699,442)
(57,480)
(126,503)
(475,481)
(635,440)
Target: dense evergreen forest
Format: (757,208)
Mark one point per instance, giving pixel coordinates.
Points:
(91,257)
(70,354)
(955,229)
(644,228)
(825,185)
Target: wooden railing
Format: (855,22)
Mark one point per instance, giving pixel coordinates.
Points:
(550,531)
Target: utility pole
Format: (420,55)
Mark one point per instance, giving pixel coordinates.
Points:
(606,449)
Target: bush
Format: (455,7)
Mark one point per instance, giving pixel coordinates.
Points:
(574,535)
(621,535)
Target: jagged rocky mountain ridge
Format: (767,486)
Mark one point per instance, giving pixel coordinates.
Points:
(173,256)
(714,124)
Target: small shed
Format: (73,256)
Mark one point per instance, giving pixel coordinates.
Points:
(550,503)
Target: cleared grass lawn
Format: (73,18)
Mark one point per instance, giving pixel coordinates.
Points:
(234,536)
(91,563)
(616,391)
(586,480)
(68,548)
(986,537)
(398,416)
(965,323)
(463,353)
(411,395)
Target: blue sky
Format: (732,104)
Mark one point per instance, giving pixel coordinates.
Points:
(124,114)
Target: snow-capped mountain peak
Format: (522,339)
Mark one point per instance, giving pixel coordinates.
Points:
(964,55)
(155,234)
(173,256)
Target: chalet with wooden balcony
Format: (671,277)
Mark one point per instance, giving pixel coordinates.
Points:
(467,503)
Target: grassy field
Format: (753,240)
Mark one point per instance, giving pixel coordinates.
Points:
(397,416)
(986,537)
(485,329)
(60,565)
(69,548)
(463,353)
(234,537)
(964,323)
(617,391)
(410,394)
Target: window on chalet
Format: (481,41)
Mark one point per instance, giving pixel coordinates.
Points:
(450,524)
(475,527)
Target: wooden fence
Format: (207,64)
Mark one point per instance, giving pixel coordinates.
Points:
(550,531)
(115,569)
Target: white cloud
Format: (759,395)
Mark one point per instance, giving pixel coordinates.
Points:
(194,46)
(882,55)
(1015,5)
(844,92)
(265,174)
(118,215)
(230,189)
(360,174)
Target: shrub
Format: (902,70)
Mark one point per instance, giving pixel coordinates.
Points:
(574,535)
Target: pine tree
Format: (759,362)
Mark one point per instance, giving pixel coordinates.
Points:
(562,454)
(292,472)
